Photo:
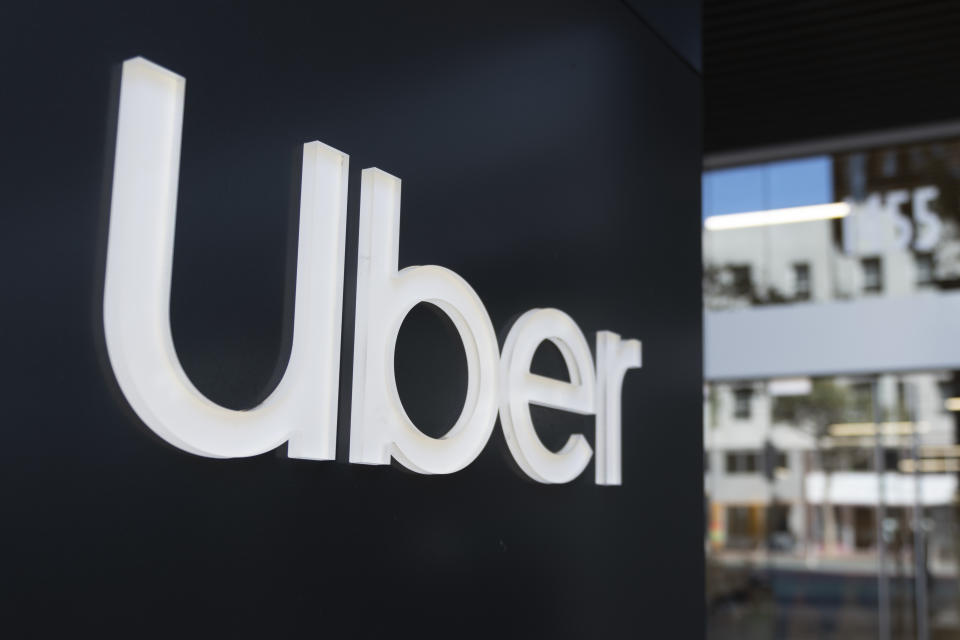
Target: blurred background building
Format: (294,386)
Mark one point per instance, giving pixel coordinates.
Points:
(831,253)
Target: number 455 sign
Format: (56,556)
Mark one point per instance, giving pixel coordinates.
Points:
(302,410)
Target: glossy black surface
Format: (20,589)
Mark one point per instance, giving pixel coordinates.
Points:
(777,73)
(550,156)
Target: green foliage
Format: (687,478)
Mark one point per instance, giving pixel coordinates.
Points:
(827,403)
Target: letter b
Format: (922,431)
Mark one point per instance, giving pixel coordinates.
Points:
(380,428)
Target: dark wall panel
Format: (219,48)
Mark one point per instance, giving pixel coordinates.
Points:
(550,156)
(677,22)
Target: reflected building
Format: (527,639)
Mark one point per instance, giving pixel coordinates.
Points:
(830,356)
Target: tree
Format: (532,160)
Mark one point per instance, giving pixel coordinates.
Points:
(827,404)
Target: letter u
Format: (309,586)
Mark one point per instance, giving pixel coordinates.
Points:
(136,302)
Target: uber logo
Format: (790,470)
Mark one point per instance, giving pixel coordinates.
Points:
(302,410)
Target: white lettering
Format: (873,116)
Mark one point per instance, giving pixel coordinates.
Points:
(136,300)
(520,388)
(302,410)
(379,426)
(614,358)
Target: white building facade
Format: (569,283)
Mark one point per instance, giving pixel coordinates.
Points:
(830,354)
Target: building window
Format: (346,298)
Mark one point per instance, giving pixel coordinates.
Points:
(742,462)
(945,388)
(741,403)
(801,281)
(901,412)
(872,275)
(924,268)
(742,527)
(731,462)
(891,459)
(861,402)
(780,462)
(742,285)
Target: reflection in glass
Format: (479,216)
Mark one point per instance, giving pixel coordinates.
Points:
(832,491)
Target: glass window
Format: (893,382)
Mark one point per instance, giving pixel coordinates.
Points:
(741,403)
(781,464)
(731,462)
(861,402)
(801,281)
(823,490)
(945,387)
(924,268)
(742,461)
(789,183)
(891,459)
(872,275)
(742,285)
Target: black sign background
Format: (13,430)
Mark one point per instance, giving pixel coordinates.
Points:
(550,156)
